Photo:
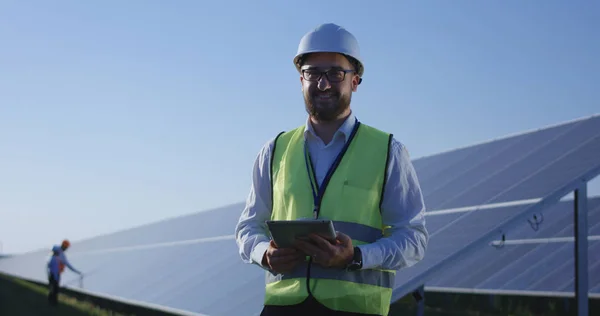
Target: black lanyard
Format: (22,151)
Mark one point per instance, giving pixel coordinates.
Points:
(318,196)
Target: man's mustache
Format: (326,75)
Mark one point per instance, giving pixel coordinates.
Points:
(333,94)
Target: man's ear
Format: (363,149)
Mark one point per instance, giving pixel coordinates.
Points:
(355,82)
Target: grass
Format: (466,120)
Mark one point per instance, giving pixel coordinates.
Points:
(453,304)
(18,297)
(407,306)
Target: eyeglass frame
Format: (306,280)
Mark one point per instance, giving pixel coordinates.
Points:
(345,71)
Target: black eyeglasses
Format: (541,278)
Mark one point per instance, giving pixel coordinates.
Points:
(333,75)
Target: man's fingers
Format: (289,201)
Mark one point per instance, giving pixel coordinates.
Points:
(322,243)
(285,258)
(311,250)
(285,268)
(306,247)
(345,239)
(283,252)
(287,263)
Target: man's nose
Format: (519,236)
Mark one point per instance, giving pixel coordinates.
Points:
(323,84)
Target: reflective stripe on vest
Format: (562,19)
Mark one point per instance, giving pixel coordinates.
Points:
(352,200)
(370,276)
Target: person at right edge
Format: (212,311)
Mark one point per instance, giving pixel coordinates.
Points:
(372,195)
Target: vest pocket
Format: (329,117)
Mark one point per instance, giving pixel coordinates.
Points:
(359,190)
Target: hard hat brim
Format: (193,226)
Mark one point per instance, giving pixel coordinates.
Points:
(298,57)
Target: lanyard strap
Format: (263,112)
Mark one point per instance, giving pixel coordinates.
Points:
(319,191)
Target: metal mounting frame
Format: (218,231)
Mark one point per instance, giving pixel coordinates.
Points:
(579,187)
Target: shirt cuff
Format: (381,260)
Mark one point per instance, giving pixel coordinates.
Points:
(369,256)
(259,252)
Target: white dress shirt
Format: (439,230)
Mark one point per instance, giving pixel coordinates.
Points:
(402,209)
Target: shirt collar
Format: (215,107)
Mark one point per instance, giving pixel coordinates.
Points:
(345,129)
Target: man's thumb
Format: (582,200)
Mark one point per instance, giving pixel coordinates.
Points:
(343,238)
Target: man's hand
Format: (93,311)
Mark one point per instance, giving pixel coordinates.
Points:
(281,260)
(330,254)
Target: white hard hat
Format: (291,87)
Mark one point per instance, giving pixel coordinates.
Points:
(330,38)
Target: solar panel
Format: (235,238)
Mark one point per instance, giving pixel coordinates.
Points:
(146,264)
(192,263)
(216,222)
(548,173)
(534,257)
(469,164)
(530,168)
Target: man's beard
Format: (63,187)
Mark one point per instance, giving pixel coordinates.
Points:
(327,110)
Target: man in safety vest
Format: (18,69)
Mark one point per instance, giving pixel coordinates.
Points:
(55,267)
(372,195)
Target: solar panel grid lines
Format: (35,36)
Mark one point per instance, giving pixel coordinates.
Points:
(557,220)
(536,269)
(152,276)
(129,273)
(505,292)
(551,232)
(559,274)
(510,136)
(491,187)
(424,275)
(583,163)
(427,167)
(594,275)
(245,295)
(208,275)
(506,267)
(474,221)
(457,163)
(153,245)
(168,277)
(562,276)
(497,272)
(478,170)
(185,227)
(181,286)
(212,276)
(446,249)
(464,209)
(478,264)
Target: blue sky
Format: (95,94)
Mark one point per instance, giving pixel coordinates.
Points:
(118,113)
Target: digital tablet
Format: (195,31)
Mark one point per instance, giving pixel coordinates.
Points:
(284,233)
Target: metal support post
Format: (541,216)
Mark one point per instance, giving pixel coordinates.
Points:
(421,301)
(581,250)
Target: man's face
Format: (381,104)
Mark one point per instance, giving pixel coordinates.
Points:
(327,95)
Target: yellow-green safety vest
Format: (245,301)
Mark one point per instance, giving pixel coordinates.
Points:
(352,200)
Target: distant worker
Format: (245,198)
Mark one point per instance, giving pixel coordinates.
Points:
(56,266)
(333,167)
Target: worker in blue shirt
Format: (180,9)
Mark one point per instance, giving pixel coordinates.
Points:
(55,267)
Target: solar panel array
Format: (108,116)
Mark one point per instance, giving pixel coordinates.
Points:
(191,263)
(536,256)
(200,275)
